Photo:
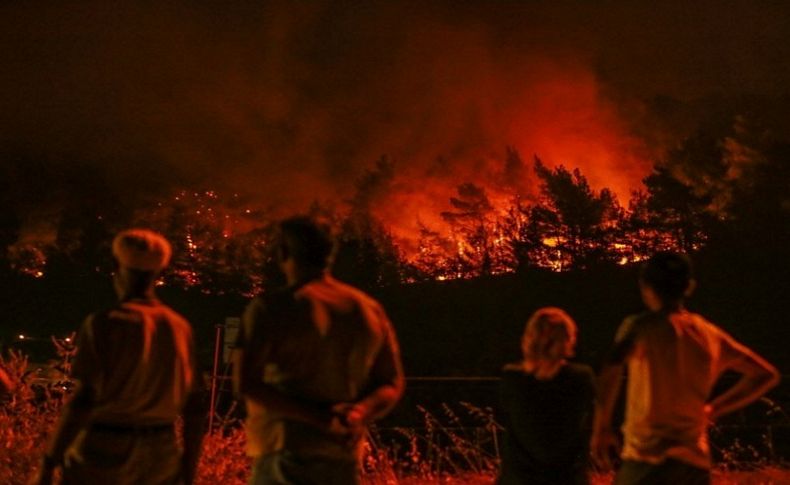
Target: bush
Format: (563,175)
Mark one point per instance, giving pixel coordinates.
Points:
(26,418)
(451,447)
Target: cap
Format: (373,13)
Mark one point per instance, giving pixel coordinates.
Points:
(141,249)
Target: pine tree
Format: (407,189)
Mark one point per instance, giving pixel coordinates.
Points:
(571,226)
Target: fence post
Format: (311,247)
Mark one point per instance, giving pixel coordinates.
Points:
(214,377)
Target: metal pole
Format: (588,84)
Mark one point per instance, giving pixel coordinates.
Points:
(213,405)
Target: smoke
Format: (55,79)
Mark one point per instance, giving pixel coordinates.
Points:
(291,102)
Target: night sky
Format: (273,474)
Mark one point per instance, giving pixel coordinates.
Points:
(290,102)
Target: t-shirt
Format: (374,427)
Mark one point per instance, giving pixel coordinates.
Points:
(138,359)
(547,424)
(674,360)
(324,342)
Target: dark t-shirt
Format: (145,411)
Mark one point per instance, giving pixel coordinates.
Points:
(547,424)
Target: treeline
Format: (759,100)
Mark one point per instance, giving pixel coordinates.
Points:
(718,188)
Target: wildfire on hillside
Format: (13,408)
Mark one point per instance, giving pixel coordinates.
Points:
(221,242)
(288,114)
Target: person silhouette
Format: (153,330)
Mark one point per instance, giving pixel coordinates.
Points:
(674,357)
(136,373)
(547,403)
(316,363)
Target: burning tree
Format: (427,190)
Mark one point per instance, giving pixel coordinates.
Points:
(477,232)
(670,215)
(435,255)
(571,226)
(367,254)
(501,222)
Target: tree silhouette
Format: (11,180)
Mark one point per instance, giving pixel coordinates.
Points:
(436,255)
(760,206)
(218,241)
(672,207)
(474,227)
(571,226)
(515,172)
(367,255)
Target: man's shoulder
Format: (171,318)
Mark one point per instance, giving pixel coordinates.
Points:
(99,326)
(703,325)
(638,323)
(346,292)
(700,320)
(650,317)
(133,312)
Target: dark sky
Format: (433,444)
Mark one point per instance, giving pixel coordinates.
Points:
(292,101)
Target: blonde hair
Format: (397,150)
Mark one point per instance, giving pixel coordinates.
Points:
(549,338)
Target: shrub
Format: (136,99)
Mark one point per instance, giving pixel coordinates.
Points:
(452,446)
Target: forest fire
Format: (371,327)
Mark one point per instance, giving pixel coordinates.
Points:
(294,121)
(477,161)
(222,241)
(511,216)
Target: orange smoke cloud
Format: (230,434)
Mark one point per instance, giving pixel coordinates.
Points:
(288,104)
(548,109)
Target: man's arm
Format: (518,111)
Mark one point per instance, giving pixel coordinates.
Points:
(74,417)
(77,411)
(757,377)
(387,384)
(604,441)
(247,382)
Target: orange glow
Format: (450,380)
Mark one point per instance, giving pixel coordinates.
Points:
(551,242)
(217,237)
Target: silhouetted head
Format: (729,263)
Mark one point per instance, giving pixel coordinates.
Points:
(549,338)
(666,280)
(305,247)
(141,255)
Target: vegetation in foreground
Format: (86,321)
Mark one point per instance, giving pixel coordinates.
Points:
(451,447)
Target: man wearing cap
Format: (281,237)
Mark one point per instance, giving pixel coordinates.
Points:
(316,363)
(136,373)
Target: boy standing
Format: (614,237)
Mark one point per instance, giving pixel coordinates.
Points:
(674,358)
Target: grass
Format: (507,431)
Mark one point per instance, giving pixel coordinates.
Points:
(455,445)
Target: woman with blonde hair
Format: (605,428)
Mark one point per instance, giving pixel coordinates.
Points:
(547,403)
